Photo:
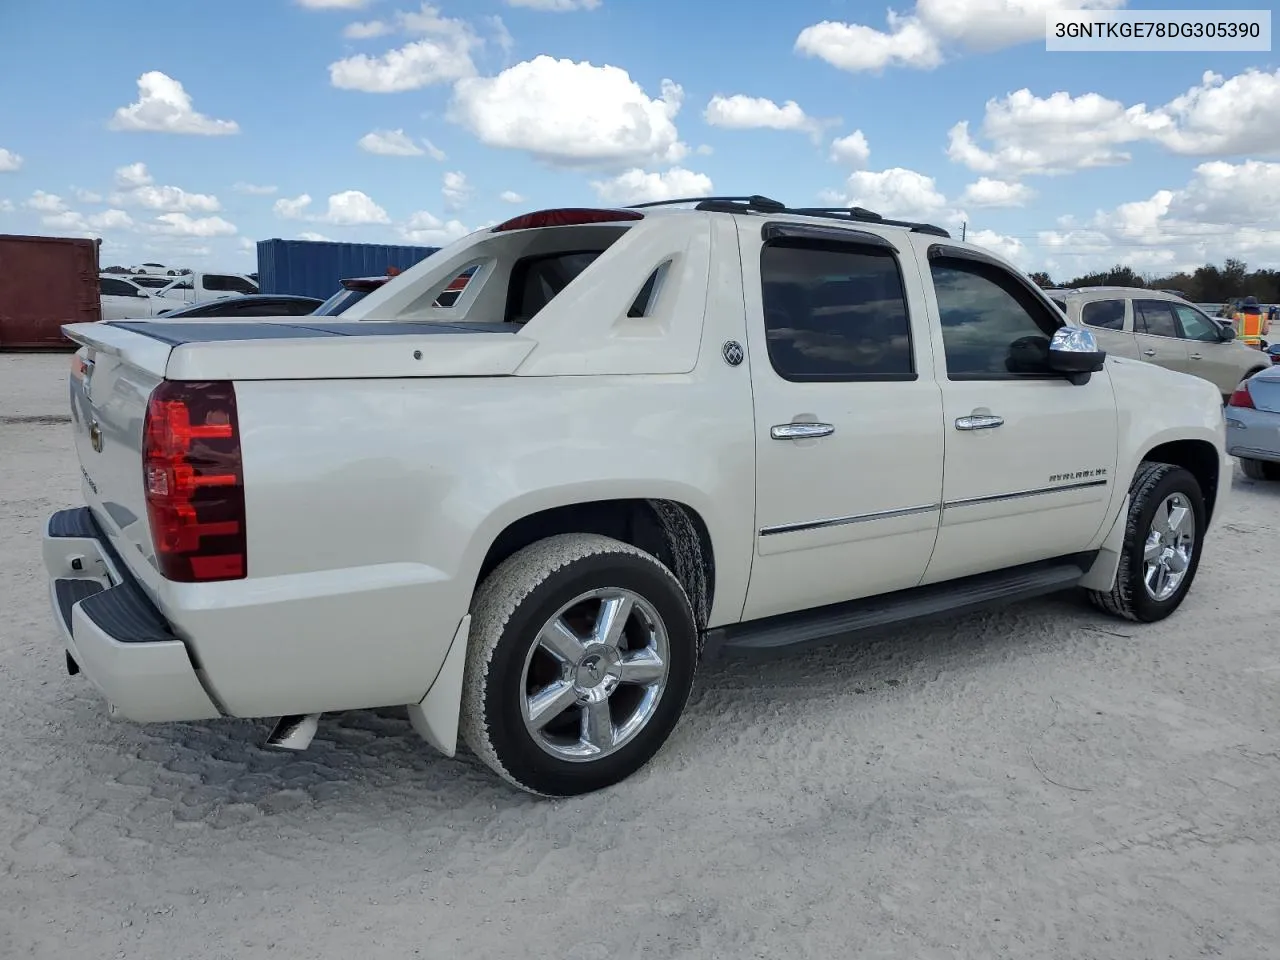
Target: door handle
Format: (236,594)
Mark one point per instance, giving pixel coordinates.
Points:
(1195,356)
(979,422)
(1148,353)
(801,431)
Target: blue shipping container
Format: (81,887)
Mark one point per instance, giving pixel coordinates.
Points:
(314,268)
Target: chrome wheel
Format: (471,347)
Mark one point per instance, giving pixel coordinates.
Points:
(1171,543)
(595,674)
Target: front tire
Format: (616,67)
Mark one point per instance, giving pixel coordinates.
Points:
(1163,538)
(581,658)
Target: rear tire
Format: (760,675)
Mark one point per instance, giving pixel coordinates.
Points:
(1259,469)
(1163,538)
(556,702)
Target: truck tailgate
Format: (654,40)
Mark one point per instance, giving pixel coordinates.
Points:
(114,375)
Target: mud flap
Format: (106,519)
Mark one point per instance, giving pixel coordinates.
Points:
(1102,575)
(436,717)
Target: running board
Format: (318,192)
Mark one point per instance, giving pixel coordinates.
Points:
(918,603)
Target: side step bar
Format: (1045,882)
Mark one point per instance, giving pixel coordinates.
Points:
(789,630)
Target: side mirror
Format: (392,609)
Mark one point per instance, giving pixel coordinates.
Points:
(1074,351)
(1226,332)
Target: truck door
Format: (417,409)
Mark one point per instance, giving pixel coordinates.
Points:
(848,417)
(1030,457)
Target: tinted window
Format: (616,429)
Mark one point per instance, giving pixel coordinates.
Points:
(339,302)
(992,325)
(1104,313)
(153,283)
(536,281)
(184,285)
(1154,317)
(834,313)
(1195,325)
(118,288)
(220,283)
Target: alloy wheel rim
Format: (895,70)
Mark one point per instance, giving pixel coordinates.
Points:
(1170,547)
(594,675)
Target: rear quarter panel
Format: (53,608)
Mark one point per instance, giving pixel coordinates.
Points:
(372,504)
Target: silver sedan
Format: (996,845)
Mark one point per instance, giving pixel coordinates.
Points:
(1253,425)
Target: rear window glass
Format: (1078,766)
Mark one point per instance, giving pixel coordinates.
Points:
(536,281)
(1108,314)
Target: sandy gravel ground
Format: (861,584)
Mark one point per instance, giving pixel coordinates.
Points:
(1040,782)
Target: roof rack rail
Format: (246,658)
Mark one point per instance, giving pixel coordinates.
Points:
(759,204)
(755,203)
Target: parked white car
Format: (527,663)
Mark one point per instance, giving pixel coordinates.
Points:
(123,299)
(199,287)
(633,438)
(1164,329)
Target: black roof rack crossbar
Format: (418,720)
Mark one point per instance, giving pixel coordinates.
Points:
(759,204)
(862,215)
(755,202)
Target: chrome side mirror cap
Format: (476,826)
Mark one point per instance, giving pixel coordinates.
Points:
(1074,351)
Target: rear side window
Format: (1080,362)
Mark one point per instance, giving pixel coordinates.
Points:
(1108,314)
(228,284)
(834,313)
(1154,317)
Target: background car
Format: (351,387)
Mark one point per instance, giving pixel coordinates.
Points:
(122,299)
(357,288)
(1253,425)
(251,305)
(1162,329)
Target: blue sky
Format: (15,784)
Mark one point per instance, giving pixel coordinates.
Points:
(409,123)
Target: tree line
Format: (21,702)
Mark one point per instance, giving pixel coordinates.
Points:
(1207,284)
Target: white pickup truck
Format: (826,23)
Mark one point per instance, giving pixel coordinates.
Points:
(634,437)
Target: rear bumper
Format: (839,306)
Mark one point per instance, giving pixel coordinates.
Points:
(1253,434)
(113,632)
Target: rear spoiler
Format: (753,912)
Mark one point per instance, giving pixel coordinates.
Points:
(125,345)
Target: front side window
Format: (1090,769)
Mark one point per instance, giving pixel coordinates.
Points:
(993,327)
(835,312)
(1108,314)
(1154,317)
(118,288)
(1195,325)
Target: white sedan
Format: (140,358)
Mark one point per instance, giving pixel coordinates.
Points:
(125,300)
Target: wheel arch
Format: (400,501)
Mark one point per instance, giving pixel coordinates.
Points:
(670,530)
(1200,458)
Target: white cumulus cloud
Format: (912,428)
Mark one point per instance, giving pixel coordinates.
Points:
(183,225)
(852,151)
(443,55)
(429,230)
(10,162)
(986,192)
(638,186)
(390,143)
(510,196)
(740,112)
(571,114)
(255,189)
(456,190)
(348,208)
(920,39)
(163,106)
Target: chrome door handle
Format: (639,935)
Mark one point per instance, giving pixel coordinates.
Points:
(1196,356)
(1148,353)
(979,422)
(801,431)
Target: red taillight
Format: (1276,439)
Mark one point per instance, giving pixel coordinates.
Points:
(194,481)
(1242,397)
(567,217)
(78,366)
